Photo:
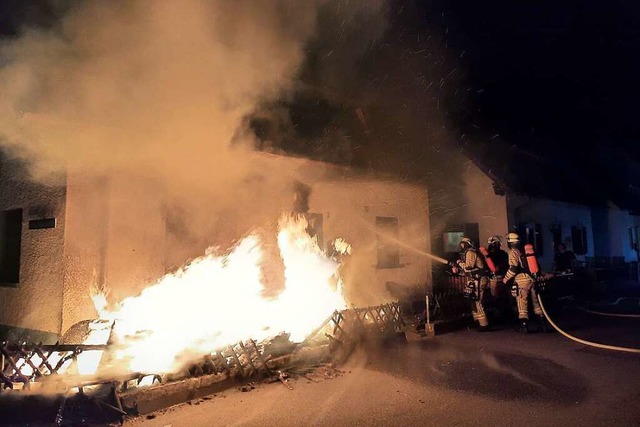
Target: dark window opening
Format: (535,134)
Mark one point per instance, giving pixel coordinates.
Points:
(451,241)
(532,234)
(451,238)
(10,240)
(39,224)
(472,231)
(388,248)
(556,234)
(579,240)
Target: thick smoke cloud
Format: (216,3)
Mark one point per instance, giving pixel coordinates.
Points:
(150,87)
(146,102)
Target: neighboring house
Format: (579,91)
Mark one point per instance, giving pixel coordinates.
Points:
(546,205)
(58,240)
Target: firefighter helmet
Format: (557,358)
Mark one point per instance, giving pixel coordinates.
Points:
(513,238)
(494,240)
(466,243)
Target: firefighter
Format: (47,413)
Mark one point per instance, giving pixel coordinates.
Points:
(473,267)
(499,259)
(523,288)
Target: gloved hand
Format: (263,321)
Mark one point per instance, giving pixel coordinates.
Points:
(453,267)
(514,290)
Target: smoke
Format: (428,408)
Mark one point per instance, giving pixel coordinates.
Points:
(153,88)
(141,109)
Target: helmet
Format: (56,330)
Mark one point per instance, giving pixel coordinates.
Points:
(466,242)
(494,239)
(513,238)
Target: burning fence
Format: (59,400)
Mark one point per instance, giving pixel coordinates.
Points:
(211,317)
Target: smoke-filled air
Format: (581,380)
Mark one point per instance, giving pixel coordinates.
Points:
(138,107)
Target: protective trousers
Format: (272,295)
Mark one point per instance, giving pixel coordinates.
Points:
(526,290)
(501,298)
(477,309)
(495,284)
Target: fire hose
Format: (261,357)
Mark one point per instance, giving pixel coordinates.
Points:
(604,313)
(581,341)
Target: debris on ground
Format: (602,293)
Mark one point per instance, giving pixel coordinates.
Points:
(245,388)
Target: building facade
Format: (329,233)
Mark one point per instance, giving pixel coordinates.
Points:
(60,240)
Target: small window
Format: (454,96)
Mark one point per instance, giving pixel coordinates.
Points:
(388,248)
(633,238)
(39,224)
(451,240)
(556,234)
(10,240)
(472,231)
(532,234)
(579,239)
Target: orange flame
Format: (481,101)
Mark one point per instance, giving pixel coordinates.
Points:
(216,301)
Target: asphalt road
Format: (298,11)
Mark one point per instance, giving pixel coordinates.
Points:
(463,378)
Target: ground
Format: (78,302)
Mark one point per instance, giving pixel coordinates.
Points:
(461,378)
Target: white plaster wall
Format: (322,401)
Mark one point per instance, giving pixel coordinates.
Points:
(620,242)
(36,301)
(84,245)
(349,210)
(112,230)
(115,236)
(546,213)
(483,205)
(135,236)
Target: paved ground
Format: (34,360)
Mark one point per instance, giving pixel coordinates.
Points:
(463,378)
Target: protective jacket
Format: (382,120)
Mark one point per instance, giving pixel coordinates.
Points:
(472,264)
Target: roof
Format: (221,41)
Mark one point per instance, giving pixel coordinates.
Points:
(603,176)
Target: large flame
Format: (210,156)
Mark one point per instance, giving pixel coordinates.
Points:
(216,301)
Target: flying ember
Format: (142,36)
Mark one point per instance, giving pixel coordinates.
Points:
(217,300)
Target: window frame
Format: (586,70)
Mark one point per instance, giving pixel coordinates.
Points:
(387,251)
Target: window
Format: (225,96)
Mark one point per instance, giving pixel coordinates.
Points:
(556,234)
(10,239)
(451,241)
(388,249)
(39,224)
(633,238)
(532,234)
(472,231)
(579,239)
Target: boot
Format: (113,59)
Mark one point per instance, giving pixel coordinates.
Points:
(524,326)
(483,328)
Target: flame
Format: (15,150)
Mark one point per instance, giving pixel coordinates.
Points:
(341,246)
(216,301)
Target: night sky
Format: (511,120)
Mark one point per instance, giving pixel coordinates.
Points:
(553,80)
(553,73)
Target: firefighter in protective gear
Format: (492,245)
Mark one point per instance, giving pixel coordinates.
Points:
(500,260)
(499,291)
(472,266)
(524,283)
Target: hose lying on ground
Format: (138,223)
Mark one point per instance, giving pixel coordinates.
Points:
(585,342)
(603,313)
